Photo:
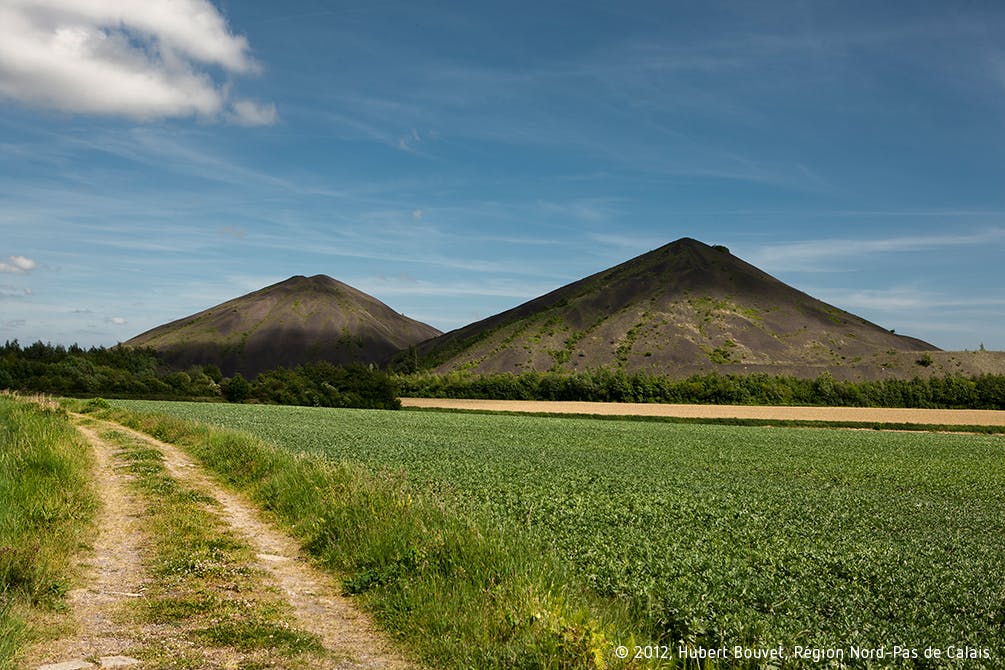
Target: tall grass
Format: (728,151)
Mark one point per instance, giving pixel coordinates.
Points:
(47,503)
(459,594)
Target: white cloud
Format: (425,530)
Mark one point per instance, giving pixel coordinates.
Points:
(17,265)
(117,320)
(140,60)
(248,113)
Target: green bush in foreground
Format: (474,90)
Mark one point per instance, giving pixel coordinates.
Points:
(460,594)
(46,504)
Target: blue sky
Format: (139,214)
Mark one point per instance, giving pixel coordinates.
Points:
(455,159)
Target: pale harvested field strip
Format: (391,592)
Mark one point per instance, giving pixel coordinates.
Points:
(940,417)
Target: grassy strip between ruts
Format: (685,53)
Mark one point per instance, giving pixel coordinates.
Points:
(47,505)
(459,595)
(206,589)
(733,421)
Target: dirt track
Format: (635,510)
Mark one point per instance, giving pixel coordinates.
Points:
(944,417)
(118,572)
(316,600)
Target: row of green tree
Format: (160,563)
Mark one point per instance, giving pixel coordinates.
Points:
(139,373)
(116,371)
(125,372)
(983,392)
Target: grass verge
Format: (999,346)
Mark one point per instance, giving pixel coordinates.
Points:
(458,594)
(47,505)
(205,587)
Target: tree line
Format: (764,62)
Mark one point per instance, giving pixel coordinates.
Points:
(128,372)
(952,392)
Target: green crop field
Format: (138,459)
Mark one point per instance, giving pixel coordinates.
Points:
(711,536)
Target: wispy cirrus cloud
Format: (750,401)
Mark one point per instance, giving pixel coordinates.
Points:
(905,299)
(941,318)
(818,255)
(184,155)
(635,243)
(404,285)
(14,292)
(140,60)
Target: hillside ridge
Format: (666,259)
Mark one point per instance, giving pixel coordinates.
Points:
(298,320)
(683,308)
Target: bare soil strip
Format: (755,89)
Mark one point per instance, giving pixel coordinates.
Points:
(940,417)
(116,575)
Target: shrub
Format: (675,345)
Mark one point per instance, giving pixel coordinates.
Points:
(326,385)
(236,389)
(94,404)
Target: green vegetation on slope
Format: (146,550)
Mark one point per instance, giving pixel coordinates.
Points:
(46,507)
(706,535)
